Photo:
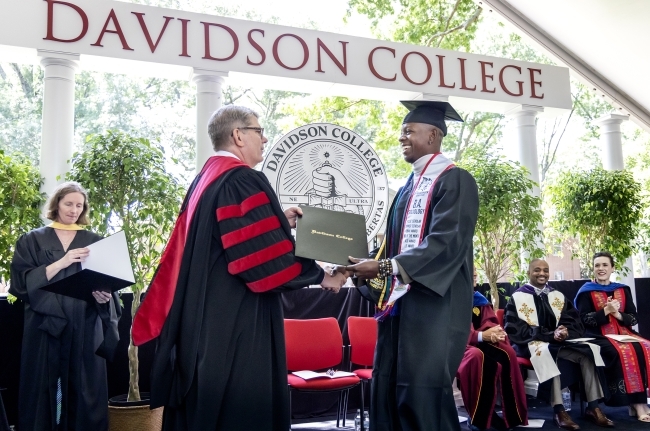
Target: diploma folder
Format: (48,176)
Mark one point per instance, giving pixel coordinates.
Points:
(331,236)
(107,268)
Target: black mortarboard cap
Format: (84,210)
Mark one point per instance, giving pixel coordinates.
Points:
(430,112)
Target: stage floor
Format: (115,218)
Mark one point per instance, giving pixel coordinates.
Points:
(536,410)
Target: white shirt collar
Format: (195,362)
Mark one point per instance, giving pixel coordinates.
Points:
(539,291)
(225,153)
(419,164)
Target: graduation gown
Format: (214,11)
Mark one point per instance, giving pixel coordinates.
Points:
(627,384)
(486,367)
(220,363)
(420,345)
(64,338)
(521,333)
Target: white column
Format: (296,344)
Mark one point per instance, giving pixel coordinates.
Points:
(209,98)
(612,157)
(524,125)
(58,116)
(611,141)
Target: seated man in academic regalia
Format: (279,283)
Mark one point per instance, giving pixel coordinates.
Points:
(539,322)
(490,368)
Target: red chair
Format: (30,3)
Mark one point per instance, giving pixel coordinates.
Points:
(316,345)
(363,339)
(522,362)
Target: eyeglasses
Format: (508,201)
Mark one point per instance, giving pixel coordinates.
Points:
(259,130)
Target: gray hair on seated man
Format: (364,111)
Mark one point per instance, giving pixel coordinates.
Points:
(225,120)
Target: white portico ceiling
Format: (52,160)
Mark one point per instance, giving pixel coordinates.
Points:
(605,42)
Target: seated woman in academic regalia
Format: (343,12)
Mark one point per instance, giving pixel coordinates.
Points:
(66,340)
(607,308)
(490,367)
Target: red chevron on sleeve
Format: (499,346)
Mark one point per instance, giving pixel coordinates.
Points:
(276,280)
(251,231)
(248,204)
(260,257)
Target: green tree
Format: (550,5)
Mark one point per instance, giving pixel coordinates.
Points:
(508,220)
(601,209)
(20,200)
(446,24)
(129,189)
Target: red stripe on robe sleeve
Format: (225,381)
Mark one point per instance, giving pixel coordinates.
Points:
(260,257)
(276,280)
(248,204)
(251,231)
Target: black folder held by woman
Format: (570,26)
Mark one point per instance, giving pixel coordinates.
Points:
(107,268)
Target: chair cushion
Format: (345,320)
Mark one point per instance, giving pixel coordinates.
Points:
(364,373)
(322,384)
(524,362)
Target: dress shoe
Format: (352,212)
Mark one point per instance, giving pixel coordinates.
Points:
(563,420)
(598,417)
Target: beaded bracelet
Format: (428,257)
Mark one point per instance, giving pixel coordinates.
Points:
(385,268)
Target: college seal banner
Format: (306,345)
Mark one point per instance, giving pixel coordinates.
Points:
(328,166)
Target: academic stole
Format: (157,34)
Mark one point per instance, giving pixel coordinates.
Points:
(541,358)
(413,228)
(632,375)
(61,226)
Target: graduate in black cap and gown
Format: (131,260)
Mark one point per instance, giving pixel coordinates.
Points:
(427,259)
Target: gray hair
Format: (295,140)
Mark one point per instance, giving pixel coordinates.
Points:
(225,120)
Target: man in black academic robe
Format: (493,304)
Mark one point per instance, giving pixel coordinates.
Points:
(555,331)
(215,303)
(422,336)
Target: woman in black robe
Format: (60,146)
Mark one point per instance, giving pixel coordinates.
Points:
(608,308)
(66,341)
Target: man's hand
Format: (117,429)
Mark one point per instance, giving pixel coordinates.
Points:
(333,283)
(363,268)
(292,215)
(494,334)
(560,333)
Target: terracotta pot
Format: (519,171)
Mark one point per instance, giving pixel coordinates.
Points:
(133,415)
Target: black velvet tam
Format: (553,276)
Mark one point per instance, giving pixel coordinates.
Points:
(430,112)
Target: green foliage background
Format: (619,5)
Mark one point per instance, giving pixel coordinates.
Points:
(602,209)
(21,201)
(509,217)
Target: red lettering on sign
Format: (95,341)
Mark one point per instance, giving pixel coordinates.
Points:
(463,82)
(371,64)
(233,35)
(485,76)
(256,46)
(305,51)
(117,31)
(343,67)
(184,23)
(145,30)
(442,73)
(503,85)
(426,61)
(50,21)
(533,83)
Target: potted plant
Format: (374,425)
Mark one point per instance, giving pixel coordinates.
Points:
(508,220)
(21,201)
(602,210)
(130,190)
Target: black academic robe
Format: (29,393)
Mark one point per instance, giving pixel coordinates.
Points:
(64,338)
(420,349)
(521,333)
(221,362)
